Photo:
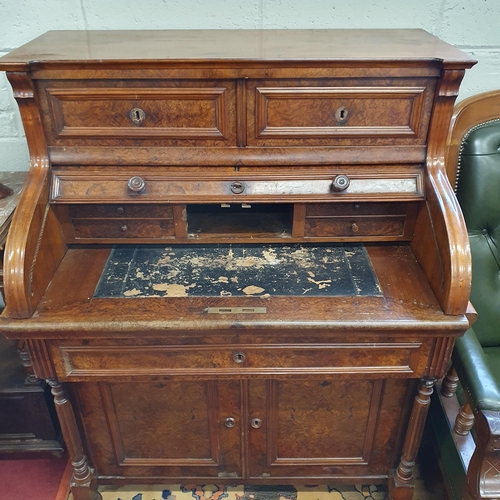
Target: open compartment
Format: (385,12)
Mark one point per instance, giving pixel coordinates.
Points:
(263,220)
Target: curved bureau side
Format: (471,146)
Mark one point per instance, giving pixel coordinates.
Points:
(34,246)
(441,244)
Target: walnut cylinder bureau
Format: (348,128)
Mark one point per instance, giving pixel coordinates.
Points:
(237,257)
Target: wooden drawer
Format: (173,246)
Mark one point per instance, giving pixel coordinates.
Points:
(387,226)
(123,228)
(366,220)
(358,110)
(339,209)
(101,112)
(121,211)
(77,186)
(91,361)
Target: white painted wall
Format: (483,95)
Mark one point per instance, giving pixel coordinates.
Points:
(471,25)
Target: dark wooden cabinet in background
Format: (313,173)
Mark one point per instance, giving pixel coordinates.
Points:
(290,266)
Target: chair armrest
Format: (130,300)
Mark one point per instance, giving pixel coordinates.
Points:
(482,389)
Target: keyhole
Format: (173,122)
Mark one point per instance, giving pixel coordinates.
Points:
(239,357)
(137,116)
(341,115)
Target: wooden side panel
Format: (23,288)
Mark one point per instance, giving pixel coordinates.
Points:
(444,232)
(35,244)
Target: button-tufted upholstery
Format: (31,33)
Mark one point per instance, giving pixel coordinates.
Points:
(477,356)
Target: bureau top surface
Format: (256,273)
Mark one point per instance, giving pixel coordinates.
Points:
(101,47)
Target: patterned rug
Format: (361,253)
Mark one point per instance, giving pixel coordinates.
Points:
(239,492)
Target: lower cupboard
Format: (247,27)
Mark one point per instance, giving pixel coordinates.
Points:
(322,427)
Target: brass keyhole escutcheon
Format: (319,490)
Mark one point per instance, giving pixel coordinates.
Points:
(256,423)
(239,357)
(354,227)
(237,187)
(137,115)
(342,115)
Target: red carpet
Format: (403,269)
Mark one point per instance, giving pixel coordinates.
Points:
(40,479)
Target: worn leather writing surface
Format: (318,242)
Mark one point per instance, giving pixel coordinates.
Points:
(227,270)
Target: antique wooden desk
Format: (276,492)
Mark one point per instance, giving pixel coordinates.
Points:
(230,162)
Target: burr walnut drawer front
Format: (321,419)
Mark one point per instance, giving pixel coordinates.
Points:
(121,211)
(386,220)
(312,111)
(405,358)
(76,186)
(124,228)
(187,113)
(121,221)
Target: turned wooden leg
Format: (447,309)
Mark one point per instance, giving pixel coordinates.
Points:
(464,421)
(83,483)
(401,483)
(483,475)
(24,354)
(450,384)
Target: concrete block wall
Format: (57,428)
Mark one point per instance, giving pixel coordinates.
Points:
(472,26)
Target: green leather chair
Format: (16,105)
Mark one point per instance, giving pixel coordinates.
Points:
(475,141)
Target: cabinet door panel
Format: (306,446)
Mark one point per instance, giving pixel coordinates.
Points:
(163,428)
(323,427)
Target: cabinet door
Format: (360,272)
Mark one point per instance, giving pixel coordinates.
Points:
(168,428)
(323,427)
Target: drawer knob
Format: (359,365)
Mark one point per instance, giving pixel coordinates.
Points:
(230,422)
(120,210)
(136,184)
(239,357)
(341,115)
(124,228)
(237,187)
(354,227)
(340,183)
(137,116)
(256,423)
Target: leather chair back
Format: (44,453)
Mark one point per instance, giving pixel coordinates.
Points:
(478,191)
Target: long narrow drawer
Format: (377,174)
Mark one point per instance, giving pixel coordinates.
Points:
(149,186)
(403,358)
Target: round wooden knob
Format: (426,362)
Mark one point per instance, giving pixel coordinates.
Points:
(340,183)
(136,184)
